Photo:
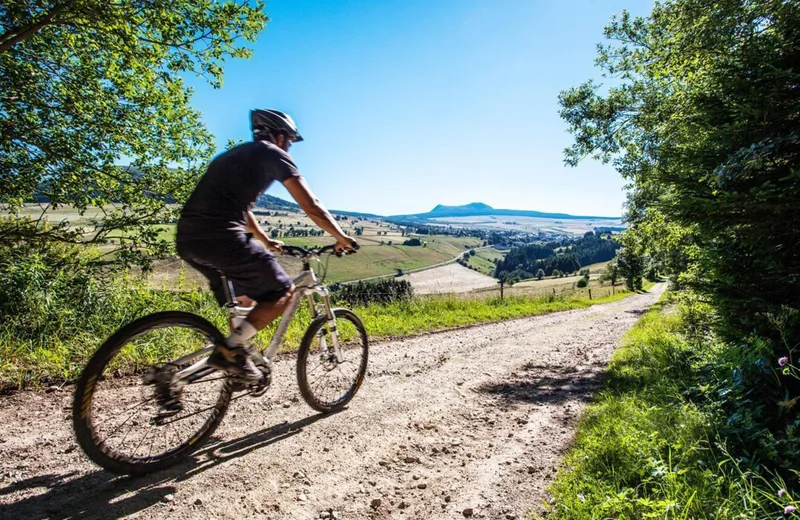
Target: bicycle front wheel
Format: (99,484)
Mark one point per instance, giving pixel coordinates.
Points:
(119,414)
(326,383)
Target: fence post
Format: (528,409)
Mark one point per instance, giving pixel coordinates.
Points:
(501,282)
(590,294)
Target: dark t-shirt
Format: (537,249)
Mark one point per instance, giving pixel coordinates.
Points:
(230,187)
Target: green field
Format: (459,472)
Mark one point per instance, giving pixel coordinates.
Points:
(489,253)
(481,264)
(483,258)
(373,259)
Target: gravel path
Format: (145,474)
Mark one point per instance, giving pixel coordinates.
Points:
(469,422)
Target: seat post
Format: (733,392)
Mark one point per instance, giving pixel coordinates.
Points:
(227,289)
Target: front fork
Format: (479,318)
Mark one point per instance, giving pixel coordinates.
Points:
(316,310)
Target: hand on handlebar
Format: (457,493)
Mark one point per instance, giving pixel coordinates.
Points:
(275,246)
(345,245)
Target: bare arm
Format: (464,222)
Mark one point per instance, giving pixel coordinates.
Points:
(299,190)
(252,226)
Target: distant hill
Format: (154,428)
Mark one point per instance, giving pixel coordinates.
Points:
(278,204)
(275,203)
(475,209)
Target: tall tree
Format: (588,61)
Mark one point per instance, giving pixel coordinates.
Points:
(703,118)
(631,267)
(88,84)
(611,272)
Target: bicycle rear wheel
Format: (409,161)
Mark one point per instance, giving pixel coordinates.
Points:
(119,416)
(326,384)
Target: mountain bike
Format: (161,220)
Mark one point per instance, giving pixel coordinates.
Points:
(120,415)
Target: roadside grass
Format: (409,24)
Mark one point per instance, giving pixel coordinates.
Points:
(648,446)
(60,347)
(441,312)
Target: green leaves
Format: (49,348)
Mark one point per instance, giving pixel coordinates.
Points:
(703,118)
(86,85)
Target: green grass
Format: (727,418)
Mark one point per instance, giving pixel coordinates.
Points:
(645,449)
(374,259)
(434,313)
(61,348)
(377,260)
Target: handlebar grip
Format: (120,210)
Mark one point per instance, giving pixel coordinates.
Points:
(294,250)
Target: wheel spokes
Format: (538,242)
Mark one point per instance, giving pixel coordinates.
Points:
(144,429)
(327,379)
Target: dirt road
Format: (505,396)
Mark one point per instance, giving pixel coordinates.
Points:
(463,423)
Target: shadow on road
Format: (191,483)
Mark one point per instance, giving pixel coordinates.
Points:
(540,384)
(103,495)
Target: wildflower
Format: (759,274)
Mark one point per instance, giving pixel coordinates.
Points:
(781,492)
(789,510)
(782,361)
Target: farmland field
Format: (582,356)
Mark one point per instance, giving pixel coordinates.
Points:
(450,278)
(528,224)
(381,253)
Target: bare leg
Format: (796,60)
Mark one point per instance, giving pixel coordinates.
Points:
(266,312)
(232,356)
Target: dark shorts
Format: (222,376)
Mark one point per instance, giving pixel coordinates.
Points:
(246,263)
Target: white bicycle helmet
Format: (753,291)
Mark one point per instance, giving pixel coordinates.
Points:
(266,121)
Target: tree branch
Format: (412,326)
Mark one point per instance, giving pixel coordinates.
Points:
(11,38)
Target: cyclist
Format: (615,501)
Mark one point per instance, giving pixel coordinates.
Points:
(219,235)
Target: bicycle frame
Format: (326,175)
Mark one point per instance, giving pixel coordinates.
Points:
(306,286)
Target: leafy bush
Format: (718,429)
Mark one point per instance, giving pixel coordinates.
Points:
(412,242)
(386,290)
(59,304)
(582,283)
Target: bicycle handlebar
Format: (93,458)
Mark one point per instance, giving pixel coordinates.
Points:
(302,252)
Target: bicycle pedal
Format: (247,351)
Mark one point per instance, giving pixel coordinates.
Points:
(262,386)
(257,388)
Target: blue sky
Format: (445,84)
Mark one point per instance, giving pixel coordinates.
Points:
(409,104)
